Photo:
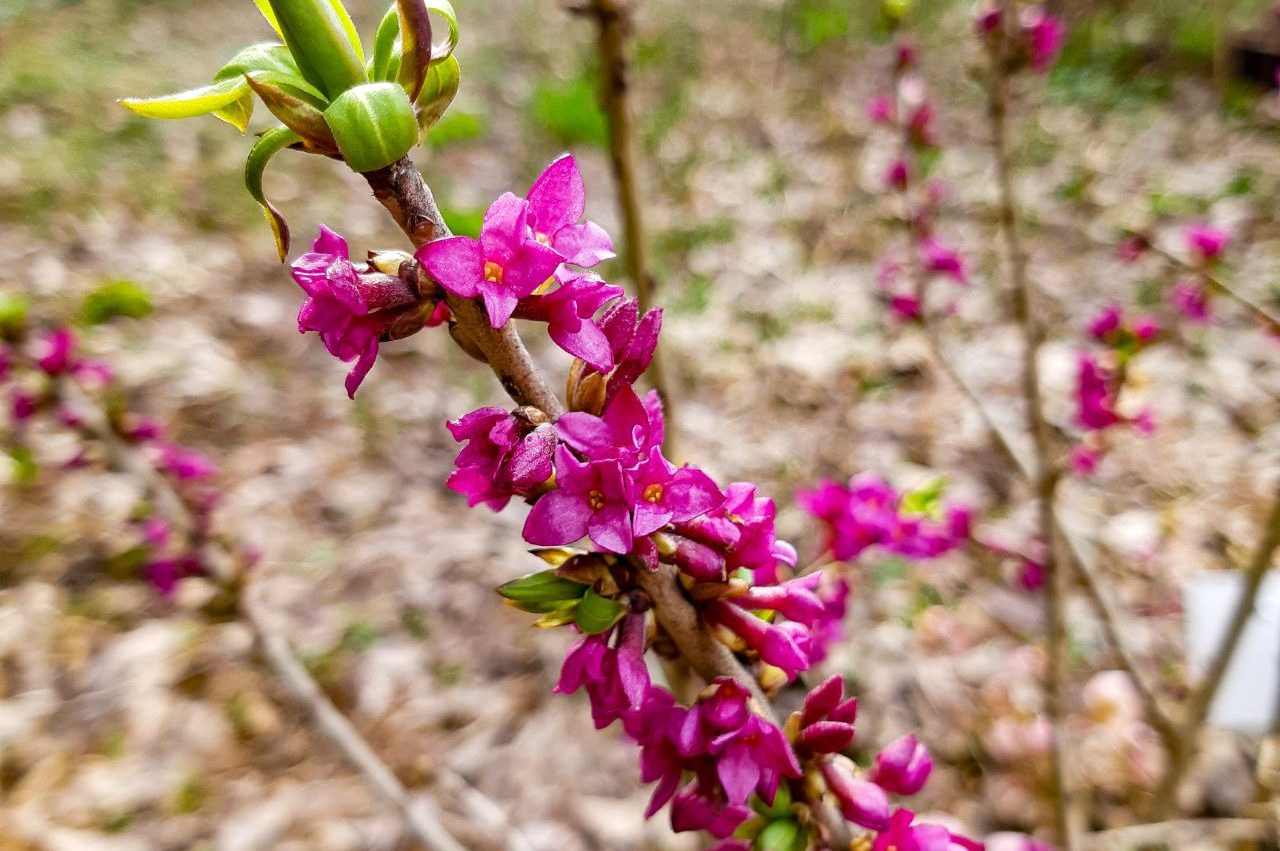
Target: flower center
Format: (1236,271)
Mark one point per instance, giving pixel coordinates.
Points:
(493,272)
(543,238)
(596,500)
(653,493)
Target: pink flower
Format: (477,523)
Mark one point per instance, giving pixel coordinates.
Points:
(1095,399)
(1192,299)
(1107,322)
(826,719)
(942,260)
(23,406)
(906,308)
(1046,35)
(632,341)
(663,494)
(591,499)
(1146,327)
(502,267)
(861,801)
(569,312)
(897,176)
(1085,460)
(54,352)
(1205,241)
(556,202)
(506,455)
(348,310)
(185,465)
(903,766)
(880,109)
(165,573)
(615,677)
(902,835)
(1133,248)
(625,432)
(785,645)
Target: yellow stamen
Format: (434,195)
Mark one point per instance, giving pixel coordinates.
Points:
(596,499)
(653,493)
(493,272)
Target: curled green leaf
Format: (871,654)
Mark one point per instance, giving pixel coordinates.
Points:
(595,613)
(384,64)
(296,114)
(444,9)
(438,91)
(374,125)
(271,143)
(218,98)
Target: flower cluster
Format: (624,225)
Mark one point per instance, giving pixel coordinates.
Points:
(1035,39)
(904,275)
(1203,245)
(1100,381)
(354,306)
(869,512)
(34,373)
(607,507)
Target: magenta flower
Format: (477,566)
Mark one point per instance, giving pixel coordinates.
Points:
(505,456)
(941,260)
(1046,35)
(693,809)
(699,561)
(663,494)
(1192,299)
(753,758)
(1085,460)
(1205,241)
(503,266)
(906,308)
(556,202)
(1132,249)
(902,835)
(1146,327)
(569,312)
(785,645)
(632,340)
(880,109)
(348,310)
(165,573)
(23,406)
(1107,322)
(898,175)
(54,350)
(591,499)
(625,432)
(616,678)
(861,801)
(903,766)
(185,465)
(1095,399)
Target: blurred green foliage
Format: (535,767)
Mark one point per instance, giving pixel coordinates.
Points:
(569,110)
(116,299)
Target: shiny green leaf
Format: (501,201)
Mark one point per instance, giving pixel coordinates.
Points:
(542,587)
(374,125)
(271,143)
(438,91)
(265,56)
(380,66)
(783,835)
(191,103)
(296,114)
(237,114)
(596,614)
(415,45)
(323,41)
(444,9)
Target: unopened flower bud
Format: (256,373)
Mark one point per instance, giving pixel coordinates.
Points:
(903,766)
(862,802)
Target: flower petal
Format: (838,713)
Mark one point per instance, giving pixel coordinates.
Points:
(499,301)
(557,198)
(504,231)
(557,518)
(584,245)
(457,264)
(610,528)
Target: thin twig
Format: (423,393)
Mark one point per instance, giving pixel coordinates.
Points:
(1046,470)
(418,813)
(615,23)
(1218,283)
(1224,833)
(1197,707)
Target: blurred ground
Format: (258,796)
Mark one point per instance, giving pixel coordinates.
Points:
(126,725)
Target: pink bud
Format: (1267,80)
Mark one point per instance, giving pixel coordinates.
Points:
(863,803)
(826,737)
(903,766)
(824,698)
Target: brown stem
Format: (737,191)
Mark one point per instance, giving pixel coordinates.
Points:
(1046,472)
(1197,708)
(615,29)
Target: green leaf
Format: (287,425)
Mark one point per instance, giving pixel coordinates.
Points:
(595,614)
(542,587)
(781,807)
(415,45)
(380,66)
(24,463)
(296,114)
(927,499)
(115,299)
(444,9)
(374,125)
(264,56)
(438,91)
(264,6)
(783,835)
(323,41)
(13,314)
(271,143)
(191,103)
